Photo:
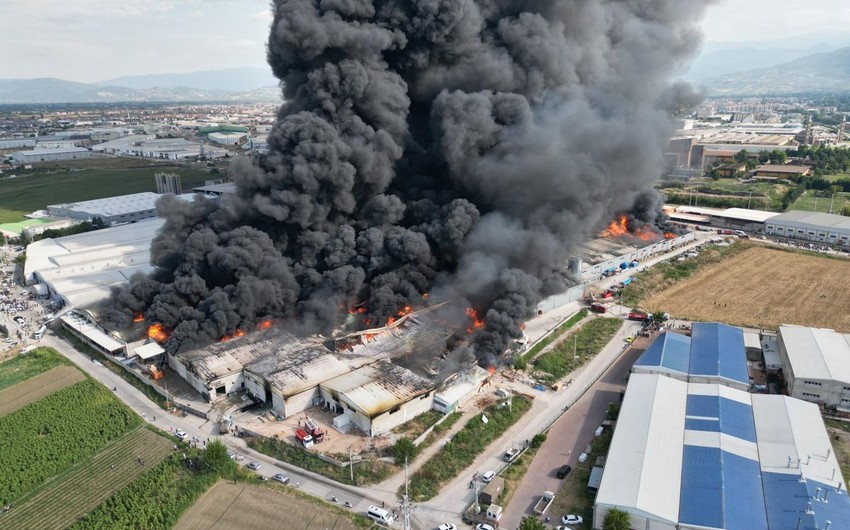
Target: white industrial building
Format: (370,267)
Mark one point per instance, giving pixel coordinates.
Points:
(699,456)
(227,138)
(50,155)
(816,365)
(12,143)
(810,226)
(80,269)
(111,210)
(161,148)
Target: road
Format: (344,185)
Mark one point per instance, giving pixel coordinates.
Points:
(568,437)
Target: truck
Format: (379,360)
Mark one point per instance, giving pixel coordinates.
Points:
(305,439)
(544,503)
(638,316)
(314,431)
(511,454)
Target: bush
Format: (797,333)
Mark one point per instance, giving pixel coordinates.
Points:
(538,440)
(404,450)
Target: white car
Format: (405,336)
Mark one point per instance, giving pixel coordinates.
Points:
(447,526)
(254,465)
(482,526)
(572,519)
(181,434)
(232,455)
(488,476)
(280,477)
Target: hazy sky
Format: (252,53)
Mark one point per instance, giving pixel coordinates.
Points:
(94,40)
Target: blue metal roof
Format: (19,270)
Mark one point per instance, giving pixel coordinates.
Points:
(787,499)
(729,417)
(721,490)
(718,350)
(670,350)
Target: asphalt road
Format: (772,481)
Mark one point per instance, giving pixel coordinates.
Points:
(568,437)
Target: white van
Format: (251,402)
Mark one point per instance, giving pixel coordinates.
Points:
(380,515)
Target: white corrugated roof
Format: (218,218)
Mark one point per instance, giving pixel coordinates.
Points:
(792,428)
(149,350)
(378,387)
(814,219)
(92,332)
(815,353)
(111,206)
(643,470)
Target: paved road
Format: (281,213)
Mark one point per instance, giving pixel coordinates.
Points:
(567,438)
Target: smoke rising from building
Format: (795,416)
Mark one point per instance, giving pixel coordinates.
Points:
(461,148)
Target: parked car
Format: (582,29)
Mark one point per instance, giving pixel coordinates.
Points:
(564,470)
(510,454)
(280,477)
(572,519)
(254,465)
(181,434)
(488,476)
(447,526)
(483,526)
(231,454)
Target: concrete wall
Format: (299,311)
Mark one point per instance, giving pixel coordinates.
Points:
(390,420)
(256,386)
(294,404)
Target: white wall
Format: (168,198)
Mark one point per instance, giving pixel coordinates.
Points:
(388,421)
(254,384)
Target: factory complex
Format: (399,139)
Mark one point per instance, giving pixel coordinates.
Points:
(694,450)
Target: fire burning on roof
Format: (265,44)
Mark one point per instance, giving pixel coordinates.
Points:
(158,333)
(625,227)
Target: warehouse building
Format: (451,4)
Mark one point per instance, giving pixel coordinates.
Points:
(228,138)
(714,353)
(111,210)
(730,218)
(782,171)
(698,456)
(50,155)
(80,269)
(810,226)
(816,365)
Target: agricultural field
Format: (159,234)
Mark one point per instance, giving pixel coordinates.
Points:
(763,286)
(35,388)
(575,350)
(62,500)
(46,438)
(87,179)
(237,505)
(25,366)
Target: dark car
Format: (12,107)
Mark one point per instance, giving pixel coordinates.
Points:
(564,470)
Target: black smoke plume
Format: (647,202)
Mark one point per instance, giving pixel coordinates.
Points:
(457,147)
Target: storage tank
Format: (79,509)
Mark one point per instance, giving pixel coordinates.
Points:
(575,265)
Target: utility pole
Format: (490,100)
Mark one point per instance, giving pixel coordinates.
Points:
(575,346)
(405,502)
(351,464)
(831,201)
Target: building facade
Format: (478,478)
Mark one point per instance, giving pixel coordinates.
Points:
(810,226)
(816,365)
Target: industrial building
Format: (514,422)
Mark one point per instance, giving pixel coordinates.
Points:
(168,183)
(782,171)
(160,148)
(731,218)
(228,138)
(698,456)
(111,210)
(216,190)
(810,226)
(714,353)
(816,365)
(354,379)
(12,143)
(50,155)
(79,270)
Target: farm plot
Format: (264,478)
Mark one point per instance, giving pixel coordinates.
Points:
(62,500)
(763,286)
(23,367)
(247,507)
(49,436)
(34,389)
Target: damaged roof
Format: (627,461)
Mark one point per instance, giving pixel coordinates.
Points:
(378,387)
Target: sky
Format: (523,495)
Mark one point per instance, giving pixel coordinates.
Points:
(96,40)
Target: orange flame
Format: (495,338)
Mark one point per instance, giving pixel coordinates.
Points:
(236,334)
(425,295)
(138,317)
(618,227)
(158,333)
(357,310)
(491,369)
(476,322)
(265,324)
(669,235)
(390,321)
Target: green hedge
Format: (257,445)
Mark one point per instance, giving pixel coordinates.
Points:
(522,361)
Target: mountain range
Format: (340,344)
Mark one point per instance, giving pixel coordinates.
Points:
(819,72)
(230,84)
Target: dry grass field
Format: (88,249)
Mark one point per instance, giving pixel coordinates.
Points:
(227,505)
(763,286)
(35,388)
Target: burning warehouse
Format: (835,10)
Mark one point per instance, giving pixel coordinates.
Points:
(353,375)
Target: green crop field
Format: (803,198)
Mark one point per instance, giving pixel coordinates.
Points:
(49,436)
(82,180)
(33,363)
(64,499)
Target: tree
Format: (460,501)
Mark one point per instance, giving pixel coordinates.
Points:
(538,440)
(404,448)
(741,156)
(530,523)
(2,239)
(215,459)
(616,519)
(659,316)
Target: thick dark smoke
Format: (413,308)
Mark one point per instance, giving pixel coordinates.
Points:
(456,147)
